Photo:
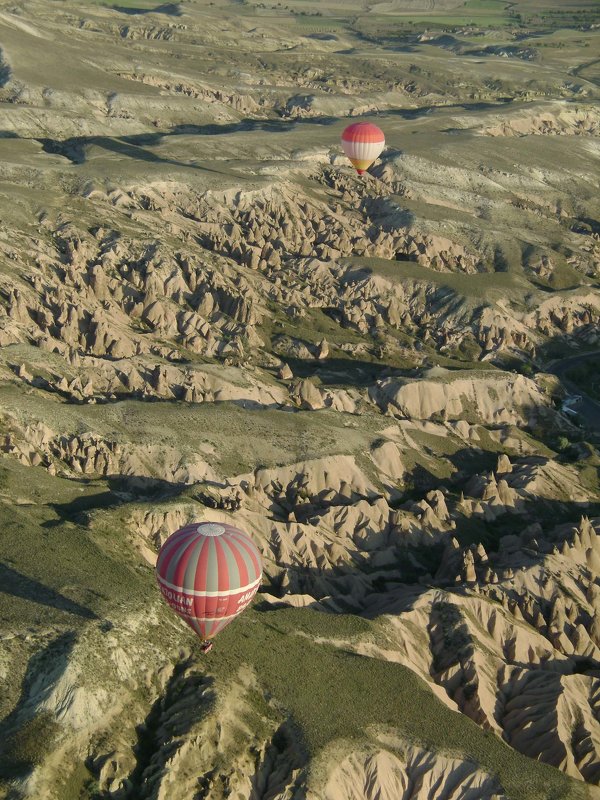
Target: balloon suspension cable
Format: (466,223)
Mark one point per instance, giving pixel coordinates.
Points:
(362,185)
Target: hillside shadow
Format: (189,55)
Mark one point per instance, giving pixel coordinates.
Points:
(163,731)
(16,584)
(120,489)
(413,563)
(247,125)
(133,146)
(287,744)
(74,509)
(123,489)
(74,150)
(339,371)
(549,513)
(170,9)
(26,731)
(469,461)
(575,369)
(407,45)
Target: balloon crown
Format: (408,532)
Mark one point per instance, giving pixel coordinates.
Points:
(211,529)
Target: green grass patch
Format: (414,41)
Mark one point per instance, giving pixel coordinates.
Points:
(53,570)
(556,14)
(320,24)
(587,377)
(232,439)
(135,5)
(329,691)
(477,13)
(28,746)
(335,694)
(482,285)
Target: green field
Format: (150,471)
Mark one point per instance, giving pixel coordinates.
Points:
(325,17)
(80,577)
(361,692)
(587,377)
(134,5)
(489,13)
(477,285)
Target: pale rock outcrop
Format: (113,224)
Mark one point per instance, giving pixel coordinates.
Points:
(483,399)
(410,774)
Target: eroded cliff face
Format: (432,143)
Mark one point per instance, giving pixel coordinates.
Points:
(205,315)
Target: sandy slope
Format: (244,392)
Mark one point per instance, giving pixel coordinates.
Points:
(204,314)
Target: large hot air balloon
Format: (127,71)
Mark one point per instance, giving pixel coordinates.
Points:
(208,572)
(362,143)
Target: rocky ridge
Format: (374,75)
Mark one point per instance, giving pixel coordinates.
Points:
(205,315)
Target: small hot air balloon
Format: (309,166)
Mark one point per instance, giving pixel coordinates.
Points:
(208,572)
(362,142)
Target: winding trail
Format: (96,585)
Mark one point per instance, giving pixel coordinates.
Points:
(580,69)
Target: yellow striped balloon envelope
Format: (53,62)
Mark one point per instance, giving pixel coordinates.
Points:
(208,572)
(362,142)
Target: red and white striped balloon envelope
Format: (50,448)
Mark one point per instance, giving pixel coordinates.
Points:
(362,142)
(208,572)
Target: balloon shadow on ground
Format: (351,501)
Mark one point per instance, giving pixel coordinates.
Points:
(16,584)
